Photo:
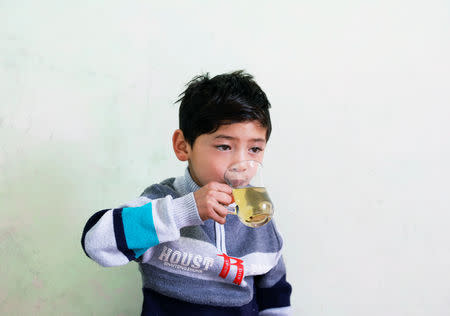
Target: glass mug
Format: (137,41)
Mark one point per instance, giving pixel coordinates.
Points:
(252,203)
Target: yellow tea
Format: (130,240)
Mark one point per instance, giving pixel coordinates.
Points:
(254,206)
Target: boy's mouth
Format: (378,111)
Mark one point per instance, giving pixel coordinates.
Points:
(236,183)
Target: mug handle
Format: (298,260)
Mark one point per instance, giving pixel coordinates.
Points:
(233,209)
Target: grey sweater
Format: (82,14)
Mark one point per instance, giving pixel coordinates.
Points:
(182,257)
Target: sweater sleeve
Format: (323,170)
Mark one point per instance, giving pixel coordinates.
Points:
(273,292)
(114,237)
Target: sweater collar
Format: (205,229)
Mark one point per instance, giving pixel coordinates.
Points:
(191,186)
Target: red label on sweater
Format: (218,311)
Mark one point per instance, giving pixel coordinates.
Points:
(226,268)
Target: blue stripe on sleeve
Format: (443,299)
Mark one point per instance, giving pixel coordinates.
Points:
(120,235)
(139,228)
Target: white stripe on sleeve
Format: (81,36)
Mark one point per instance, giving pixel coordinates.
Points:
(100,243)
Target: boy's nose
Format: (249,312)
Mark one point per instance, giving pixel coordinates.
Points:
(242,155)
(237,167)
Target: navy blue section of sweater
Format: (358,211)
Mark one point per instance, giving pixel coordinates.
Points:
(156,304)
(91,223)
(119,232)
(275,296)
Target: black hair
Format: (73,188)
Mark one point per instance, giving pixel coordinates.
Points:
(208,103)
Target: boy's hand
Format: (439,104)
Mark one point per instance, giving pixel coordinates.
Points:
(211,199)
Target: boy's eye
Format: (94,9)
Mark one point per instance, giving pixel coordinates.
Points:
(255,150)
(223,147)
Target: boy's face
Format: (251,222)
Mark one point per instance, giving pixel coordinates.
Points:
(212,154)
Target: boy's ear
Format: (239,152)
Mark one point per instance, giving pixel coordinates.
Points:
(180,145)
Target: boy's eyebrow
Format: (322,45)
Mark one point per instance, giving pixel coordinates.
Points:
(233,138)
(224,136)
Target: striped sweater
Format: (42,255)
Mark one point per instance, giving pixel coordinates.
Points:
(189,266)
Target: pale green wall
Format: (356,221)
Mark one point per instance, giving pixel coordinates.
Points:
(358,164)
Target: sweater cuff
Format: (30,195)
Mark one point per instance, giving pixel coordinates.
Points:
(185,211)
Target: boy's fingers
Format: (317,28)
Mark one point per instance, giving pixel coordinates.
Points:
(219,215)
(222,187)
(221,210)
(224,198)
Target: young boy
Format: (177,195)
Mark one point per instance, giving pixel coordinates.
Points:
(195,260)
